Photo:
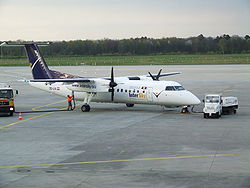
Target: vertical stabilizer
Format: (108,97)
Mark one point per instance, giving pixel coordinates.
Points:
(40,70)
(38,65)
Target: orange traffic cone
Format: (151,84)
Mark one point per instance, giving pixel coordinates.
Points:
(20,117)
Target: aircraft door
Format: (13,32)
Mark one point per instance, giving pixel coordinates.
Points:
(149,93)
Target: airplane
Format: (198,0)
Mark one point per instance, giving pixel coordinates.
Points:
(130,90)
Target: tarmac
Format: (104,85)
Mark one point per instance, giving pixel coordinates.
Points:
(116,146)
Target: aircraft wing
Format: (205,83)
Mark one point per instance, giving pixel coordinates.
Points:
(89,85)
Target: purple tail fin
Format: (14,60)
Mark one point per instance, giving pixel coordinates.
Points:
(38,65)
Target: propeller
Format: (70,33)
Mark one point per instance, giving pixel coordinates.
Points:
(112,84)
(155,77)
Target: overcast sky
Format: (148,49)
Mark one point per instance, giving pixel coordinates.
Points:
(118,19)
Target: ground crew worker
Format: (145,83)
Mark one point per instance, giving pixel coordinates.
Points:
(69,99)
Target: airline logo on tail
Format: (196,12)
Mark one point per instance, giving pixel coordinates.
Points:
(39,59)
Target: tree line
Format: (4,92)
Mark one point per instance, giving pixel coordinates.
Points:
(224,44)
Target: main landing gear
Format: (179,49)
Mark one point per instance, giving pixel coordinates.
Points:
(112,85)
(129,105)
(86,107)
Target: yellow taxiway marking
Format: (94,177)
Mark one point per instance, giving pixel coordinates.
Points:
(228,90)
(125,160)
(21,121)
(34,117)
(35,108)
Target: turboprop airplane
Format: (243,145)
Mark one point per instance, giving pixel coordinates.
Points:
(146,89)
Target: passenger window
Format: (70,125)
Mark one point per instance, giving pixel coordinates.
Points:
(126,90)
(121,90)
(137,91)
(117,90)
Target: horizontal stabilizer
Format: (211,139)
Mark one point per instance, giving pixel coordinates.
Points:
(25,43)
(165,74)
(169,74)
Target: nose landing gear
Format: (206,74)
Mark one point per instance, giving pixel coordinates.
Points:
(185,110)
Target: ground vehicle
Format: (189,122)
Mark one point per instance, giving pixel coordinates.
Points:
(229,105)
(7,99)
(216,105)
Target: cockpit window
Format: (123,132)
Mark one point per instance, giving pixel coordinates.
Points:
(174,88)
(179,88)
(170,88)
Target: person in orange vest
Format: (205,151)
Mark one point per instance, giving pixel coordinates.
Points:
(69,99)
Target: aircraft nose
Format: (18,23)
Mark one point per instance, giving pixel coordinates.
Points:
(196,100)
(193,100)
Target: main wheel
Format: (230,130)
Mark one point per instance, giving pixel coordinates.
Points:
(85,108)
(11,113)
(129,105)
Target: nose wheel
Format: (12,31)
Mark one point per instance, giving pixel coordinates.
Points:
(85,108)
(184,110)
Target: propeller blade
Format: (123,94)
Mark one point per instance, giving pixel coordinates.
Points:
(112,83)
(158,75)
(112,74)
(153,78)
(112,94)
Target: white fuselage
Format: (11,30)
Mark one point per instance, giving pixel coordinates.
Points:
(126,91)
